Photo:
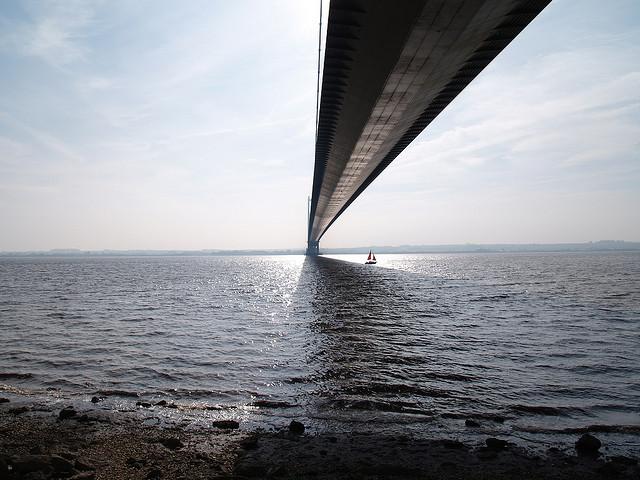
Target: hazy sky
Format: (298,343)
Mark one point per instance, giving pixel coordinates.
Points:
(189,125)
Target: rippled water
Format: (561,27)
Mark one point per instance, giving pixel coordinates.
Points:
(534,346)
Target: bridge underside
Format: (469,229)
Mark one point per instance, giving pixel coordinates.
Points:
(389,69)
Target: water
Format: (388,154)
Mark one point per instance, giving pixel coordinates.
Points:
(538,347)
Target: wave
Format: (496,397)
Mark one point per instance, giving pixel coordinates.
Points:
(491,298)
(271,404)
(380,406)
(14,375)
(118,393)
(630,429)
(383,388)
(546,410)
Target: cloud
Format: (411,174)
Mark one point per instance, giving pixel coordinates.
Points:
(535,121)
(54,31)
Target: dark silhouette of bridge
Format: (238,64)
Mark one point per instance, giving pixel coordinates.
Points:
(390,67)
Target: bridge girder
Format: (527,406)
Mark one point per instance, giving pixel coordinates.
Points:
(389,69)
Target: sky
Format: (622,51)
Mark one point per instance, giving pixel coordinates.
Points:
(190,125)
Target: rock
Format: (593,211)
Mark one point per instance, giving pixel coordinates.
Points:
(452,444)
(83,465)
(172,443)
(277,471)
(36,450)
(61,464)
(611,469)
(496,444)
(32,463)
(486,453)
(95,399)
(67,413)
(84,476)
(226,424)
(252,470)
(143,404)
(4,400)
(154,474)
(161,403)
(249,443)
(588,445)
(296,427)
(624,460)
(471,423)
(19,410)
(136,462)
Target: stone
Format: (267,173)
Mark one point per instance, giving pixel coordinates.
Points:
(587,444)
(67,413)
(154,474)
(161,403)
(61,464)
(95,399)
(32,463)
(611,469)
(296,427)
(486,453)
(19,410)
(253,470)
(172,443)
(84,476)
(226,424)
(4,400)
(249,443)
(452,444)
(136,462)
(624,460)
(83,465)
(143,404)
(496,444)
(471,423)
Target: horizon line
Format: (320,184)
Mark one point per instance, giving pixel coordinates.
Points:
(404,248)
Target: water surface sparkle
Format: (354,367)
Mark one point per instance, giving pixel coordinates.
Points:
(528,345)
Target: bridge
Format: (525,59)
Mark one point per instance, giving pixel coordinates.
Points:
(390,67)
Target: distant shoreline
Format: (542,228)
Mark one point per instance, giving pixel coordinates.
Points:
(598,246)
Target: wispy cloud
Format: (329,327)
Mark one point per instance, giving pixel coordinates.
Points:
(55,31)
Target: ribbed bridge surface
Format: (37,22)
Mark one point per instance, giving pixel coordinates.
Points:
(390,67)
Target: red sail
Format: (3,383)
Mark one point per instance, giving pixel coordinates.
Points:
(369,257)
(374,257)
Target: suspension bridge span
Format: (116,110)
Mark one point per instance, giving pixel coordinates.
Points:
(390,67)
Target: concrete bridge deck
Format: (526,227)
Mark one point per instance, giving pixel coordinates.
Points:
(390,67)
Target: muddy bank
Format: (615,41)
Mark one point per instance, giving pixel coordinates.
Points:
(39,442)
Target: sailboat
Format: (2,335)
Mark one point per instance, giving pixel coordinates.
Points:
(371,259)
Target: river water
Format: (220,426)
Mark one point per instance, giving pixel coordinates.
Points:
(536,347)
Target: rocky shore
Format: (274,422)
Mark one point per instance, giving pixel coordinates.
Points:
(39,442)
